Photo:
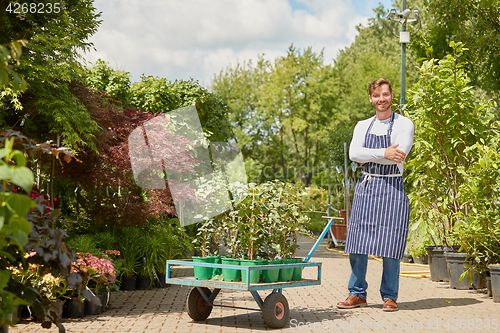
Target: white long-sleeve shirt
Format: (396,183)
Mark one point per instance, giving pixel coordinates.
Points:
(402,133)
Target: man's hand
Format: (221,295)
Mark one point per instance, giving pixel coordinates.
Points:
(394,154)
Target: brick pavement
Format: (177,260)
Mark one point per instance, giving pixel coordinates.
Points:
(425,306)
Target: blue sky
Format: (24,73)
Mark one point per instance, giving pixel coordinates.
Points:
(182,39)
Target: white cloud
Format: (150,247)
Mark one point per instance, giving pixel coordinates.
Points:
(178,39)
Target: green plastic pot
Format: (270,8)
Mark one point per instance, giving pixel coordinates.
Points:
(271,275)
(203,273)
(255,274)
(286,274)
(217,271)
(297,271)
(229,274)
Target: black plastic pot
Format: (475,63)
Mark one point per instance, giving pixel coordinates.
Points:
(73,308)
(422,259)
(144,282)
(129,283)
(488,286)
(407,259)
(437,263)
(94,306)
(161,282)
(104,297)
(456,268)
(495,282)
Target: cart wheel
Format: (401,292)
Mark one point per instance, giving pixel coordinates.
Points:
(197,308)
(275,310)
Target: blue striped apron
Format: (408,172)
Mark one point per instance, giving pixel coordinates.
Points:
(380,214)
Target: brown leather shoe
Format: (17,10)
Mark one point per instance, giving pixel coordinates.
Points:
(352,301)
(390,305)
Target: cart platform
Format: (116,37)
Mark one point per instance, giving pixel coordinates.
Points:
(191,281)
(275,311)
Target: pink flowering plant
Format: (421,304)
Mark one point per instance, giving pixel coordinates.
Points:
(100,270)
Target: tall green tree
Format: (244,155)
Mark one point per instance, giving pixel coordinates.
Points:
(298,97)
(374,53)
(448,122)
(282,110)
(476,23)
(159,95)
(50,61)
(115,83)
(241,87)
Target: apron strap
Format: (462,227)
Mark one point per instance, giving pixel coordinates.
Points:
(389,128)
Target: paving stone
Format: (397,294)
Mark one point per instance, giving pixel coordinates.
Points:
(425,306)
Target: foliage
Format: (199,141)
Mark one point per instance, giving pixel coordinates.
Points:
(281,111)
(130,246)
(336,140)
(253,170)
(447,123)
(476,23)
(158,95)
(170,241)
(29,226)
(84,243)
(14,228)
(263,225)
(8,54)
(52,58)
(113,82)
(102,184)
(48,286)
(479,236)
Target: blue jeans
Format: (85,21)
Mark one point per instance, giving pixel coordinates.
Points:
(390,277)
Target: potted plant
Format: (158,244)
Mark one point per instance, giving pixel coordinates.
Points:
(252,235)
(176,244)
(101,277)
(447,125)
(152,251)
(419,255)
(231,224)
(281,219)
(129,248)
(480,236)
(207,240)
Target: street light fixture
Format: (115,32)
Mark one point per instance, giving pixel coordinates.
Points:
(405,17)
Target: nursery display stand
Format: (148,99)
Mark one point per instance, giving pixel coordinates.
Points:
(275,311)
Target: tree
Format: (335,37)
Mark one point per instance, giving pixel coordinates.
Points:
(8,53)
(448,122)
(374,53)
(103,182)
(116,83)
(241,87)
(297,97)
(281,110)
(476,23)
(47,110)
(158,95)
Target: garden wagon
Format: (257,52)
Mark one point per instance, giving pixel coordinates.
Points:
(275,311)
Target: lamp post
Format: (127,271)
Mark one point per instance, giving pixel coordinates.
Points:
(404,19)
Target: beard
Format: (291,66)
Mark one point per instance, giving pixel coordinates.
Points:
(382,107)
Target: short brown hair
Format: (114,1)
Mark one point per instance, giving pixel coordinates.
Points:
(377,83)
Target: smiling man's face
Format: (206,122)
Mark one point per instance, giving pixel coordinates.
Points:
(381,98)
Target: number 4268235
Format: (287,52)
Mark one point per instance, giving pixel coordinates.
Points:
(33,8)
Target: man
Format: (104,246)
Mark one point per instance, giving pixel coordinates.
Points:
(378,224)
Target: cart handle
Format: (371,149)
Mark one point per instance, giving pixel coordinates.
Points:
(320,238)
